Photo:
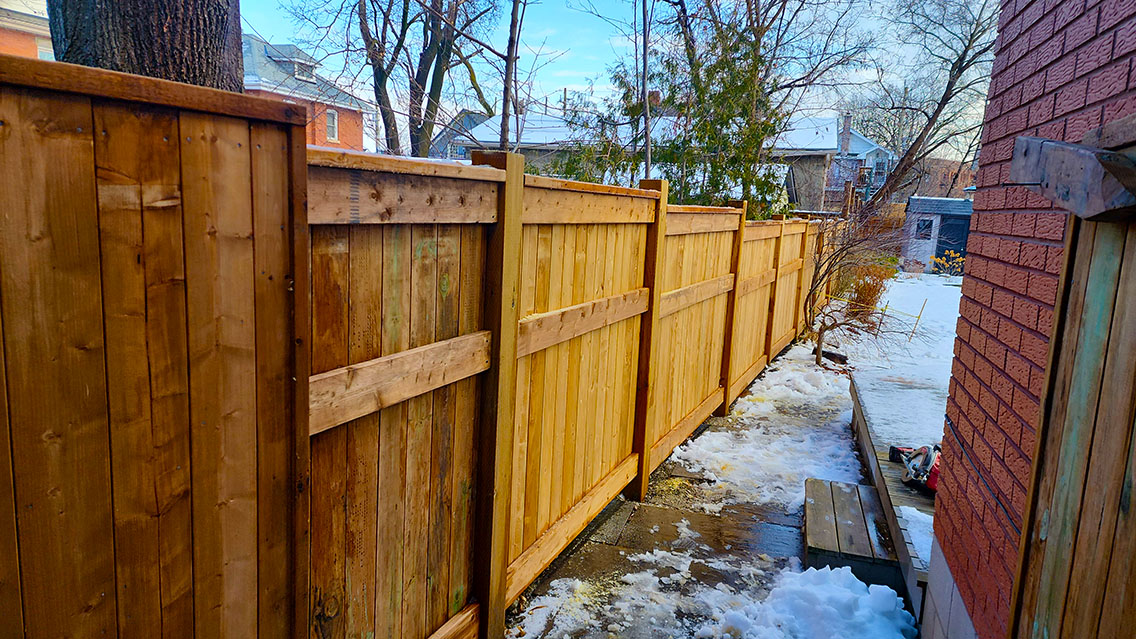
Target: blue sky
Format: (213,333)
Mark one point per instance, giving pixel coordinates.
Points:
(578,46)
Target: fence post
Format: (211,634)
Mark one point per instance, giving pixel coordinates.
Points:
(495,439)
(770,336)
(648,340)
(802,285)
(731,303)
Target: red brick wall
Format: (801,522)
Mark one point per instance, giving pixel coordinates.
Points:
(18,43)
(1062,67)
(350,123)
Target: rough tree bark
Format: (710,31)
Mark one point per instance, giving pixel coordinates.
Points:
(195,42)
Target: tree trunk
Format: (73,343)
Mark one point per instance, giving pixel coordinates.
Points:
(193,42)
(510,70)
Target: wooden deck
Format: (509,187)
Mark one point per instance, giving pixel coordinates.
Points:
(887,477)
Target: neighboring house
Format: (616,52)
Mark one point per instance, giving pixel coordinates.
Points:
(286,72)
(23,29)
(941,177)
(810,148)
(933,226)
(824,152)
(445,144)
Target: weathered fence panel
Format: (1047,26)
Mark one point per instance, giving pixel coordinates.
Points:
(149,360)
(397,343)
(581,295)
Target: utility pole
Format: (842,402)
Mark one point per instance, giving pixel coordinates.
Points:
(646,97)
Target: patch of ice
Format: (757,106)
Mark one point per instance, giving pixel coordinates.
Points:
(920,530)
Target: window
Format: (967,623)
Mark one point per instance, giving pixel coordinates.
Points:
(923,229)
(332,126)
(44,50)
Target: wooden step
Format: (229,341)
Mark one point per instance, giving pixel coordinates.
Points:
(845,526)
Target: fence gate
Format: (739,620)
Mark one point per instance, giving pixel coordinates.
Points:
(1076,576)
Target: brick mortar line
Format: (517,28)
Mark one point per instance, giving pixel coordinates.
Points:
(1013,321)
(981,478)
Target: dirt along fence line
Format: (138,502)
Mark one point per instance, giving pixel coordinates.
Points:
(382,413)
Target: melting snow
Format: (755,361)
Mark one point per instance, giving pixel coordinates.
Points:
(920,530)
(786,433)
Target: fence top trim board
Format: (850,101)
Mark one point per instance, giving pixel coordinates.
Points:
(691,208)
(540,181)
(338,159)
(73,78)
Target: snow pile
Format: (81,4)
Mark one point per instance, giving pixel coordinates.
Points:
(920,530)
(817,603)
(903,376)
(794,424)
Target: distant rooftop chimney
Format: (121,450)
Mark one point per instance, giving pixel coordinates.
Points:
(845,133)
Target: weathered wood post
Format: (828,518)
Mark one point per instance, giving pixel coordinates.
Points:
(495,439)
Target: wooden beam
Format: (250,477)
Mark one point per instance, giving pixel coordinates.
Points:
(686,223)
(649,339)
(356,196)
(687,425)
(751,284)
(350,392)
(540,181)
(728,360)
(693,208)
(495,433)
(1091,183)
(680,298)
(537,332)
(770,338)
(461,626)
(558,206)
(74,78)
(528,566)
(302,364)
(761,231)
(340,159)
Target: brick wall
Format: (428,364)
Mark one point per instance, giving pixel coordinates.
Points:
(350,123)
(1062,67)
(18,43)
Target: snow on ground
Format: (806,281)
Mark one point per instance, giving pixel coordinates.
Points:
(793,424)
(920,530)
(653,603)
(903,382)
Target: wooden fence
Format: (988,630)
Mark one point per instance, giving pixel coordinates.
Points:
(150,367)
(480,362)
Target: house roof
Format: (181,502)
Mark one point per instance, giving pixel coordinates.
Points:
(940,205)
(268,68)
(821,135)
(804,136)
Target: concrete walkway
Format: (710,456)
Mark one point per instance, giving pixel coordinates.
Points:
(701,545)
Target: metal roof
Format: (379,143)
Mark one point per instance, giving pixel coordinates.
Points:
(940,205)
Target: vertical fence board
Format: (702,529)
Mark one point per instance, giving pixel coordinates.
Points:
(275,334)
(215,166)
(364,318)
(396,314)
(329,341)
(50,284)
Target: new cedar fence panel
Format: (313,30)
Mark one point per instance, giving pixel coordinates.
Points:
(785,306)
(757,275)
(695,283)
(581,297)
(397,341)
(147,252)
